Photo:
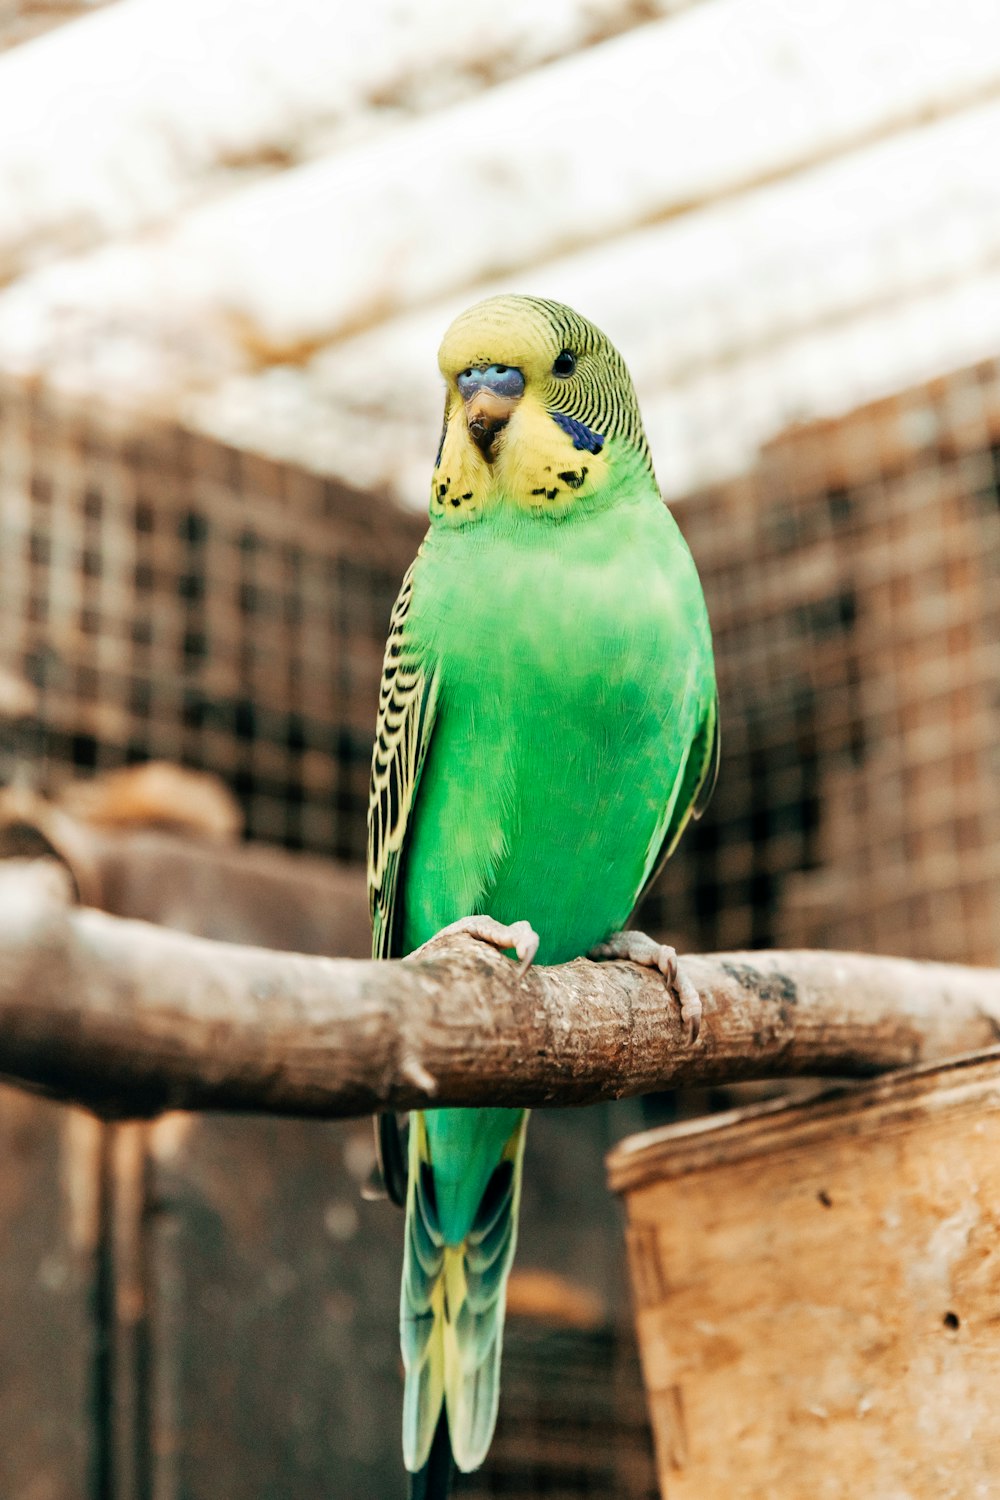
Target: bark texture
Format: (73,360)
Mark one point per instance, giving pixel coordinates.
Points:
(131,1019)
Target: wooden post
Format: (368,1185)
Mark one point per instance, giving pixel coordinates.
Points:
(817,1291)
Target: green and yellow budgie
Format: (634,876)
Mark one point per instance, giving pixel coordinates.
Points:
(548,724)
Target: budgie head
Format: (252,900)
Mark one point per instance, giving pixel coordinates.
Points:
(540,412)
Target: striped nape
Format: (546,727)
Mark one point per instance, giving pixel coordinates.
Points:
(602,398)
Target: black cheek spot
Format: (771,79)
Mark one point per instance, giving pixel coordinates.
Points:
(442,491)
(456,501)
(574,479)
(551,494)
(467,495)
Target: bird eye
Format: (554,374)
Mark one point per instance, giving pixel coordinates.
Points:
(565,364)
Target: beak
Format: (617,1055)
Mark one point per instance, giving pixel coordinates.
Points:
(490,393)
(487,414)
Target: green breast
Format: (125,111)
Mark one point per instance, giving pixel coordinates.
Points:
(576,666)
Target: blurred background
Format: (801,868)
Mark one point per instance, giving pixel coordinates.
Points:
(230,239)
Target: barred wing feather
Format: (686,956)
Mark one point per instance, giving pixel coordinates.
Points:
(407,698)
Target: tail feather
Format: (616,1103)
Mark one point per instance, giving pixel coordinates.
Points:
(452,1311)
(433,1481)
(496,1203)
(472,1374)
(420,1315)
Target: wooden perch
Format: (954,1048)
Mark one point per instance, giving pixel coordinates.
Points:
(130,1019)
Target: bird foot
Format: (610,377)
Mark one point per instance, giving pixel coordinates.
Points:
(637,948)
(520,936)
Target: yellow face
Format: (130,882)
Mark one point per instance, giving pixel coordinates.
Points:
(535,395)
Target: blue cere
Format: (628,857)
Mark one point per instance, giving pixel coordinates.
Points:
(583,438)
(502,380)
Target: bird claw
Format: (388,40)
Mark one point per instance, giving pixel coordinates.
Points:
(520,936)
(637,948)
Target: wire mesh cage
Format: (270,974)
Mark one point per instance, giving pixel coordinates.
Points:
(164,595)
(265,263)
(853,581)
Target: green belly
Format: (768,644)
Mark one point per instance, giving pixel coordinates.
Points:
(570,693)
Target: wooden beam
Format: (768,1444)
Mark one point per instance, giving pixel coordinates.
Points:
(97,142)
(693,110)
(131,1020)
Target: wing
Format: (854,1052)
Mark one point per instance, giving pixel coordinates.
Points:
(407,699)
(698,776)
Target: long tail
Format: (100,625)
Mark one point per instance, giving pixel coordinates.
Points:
(452,1311)
(433,1481)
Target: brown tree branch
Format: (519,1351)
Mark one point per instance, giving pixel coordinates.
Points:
(131,1019)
